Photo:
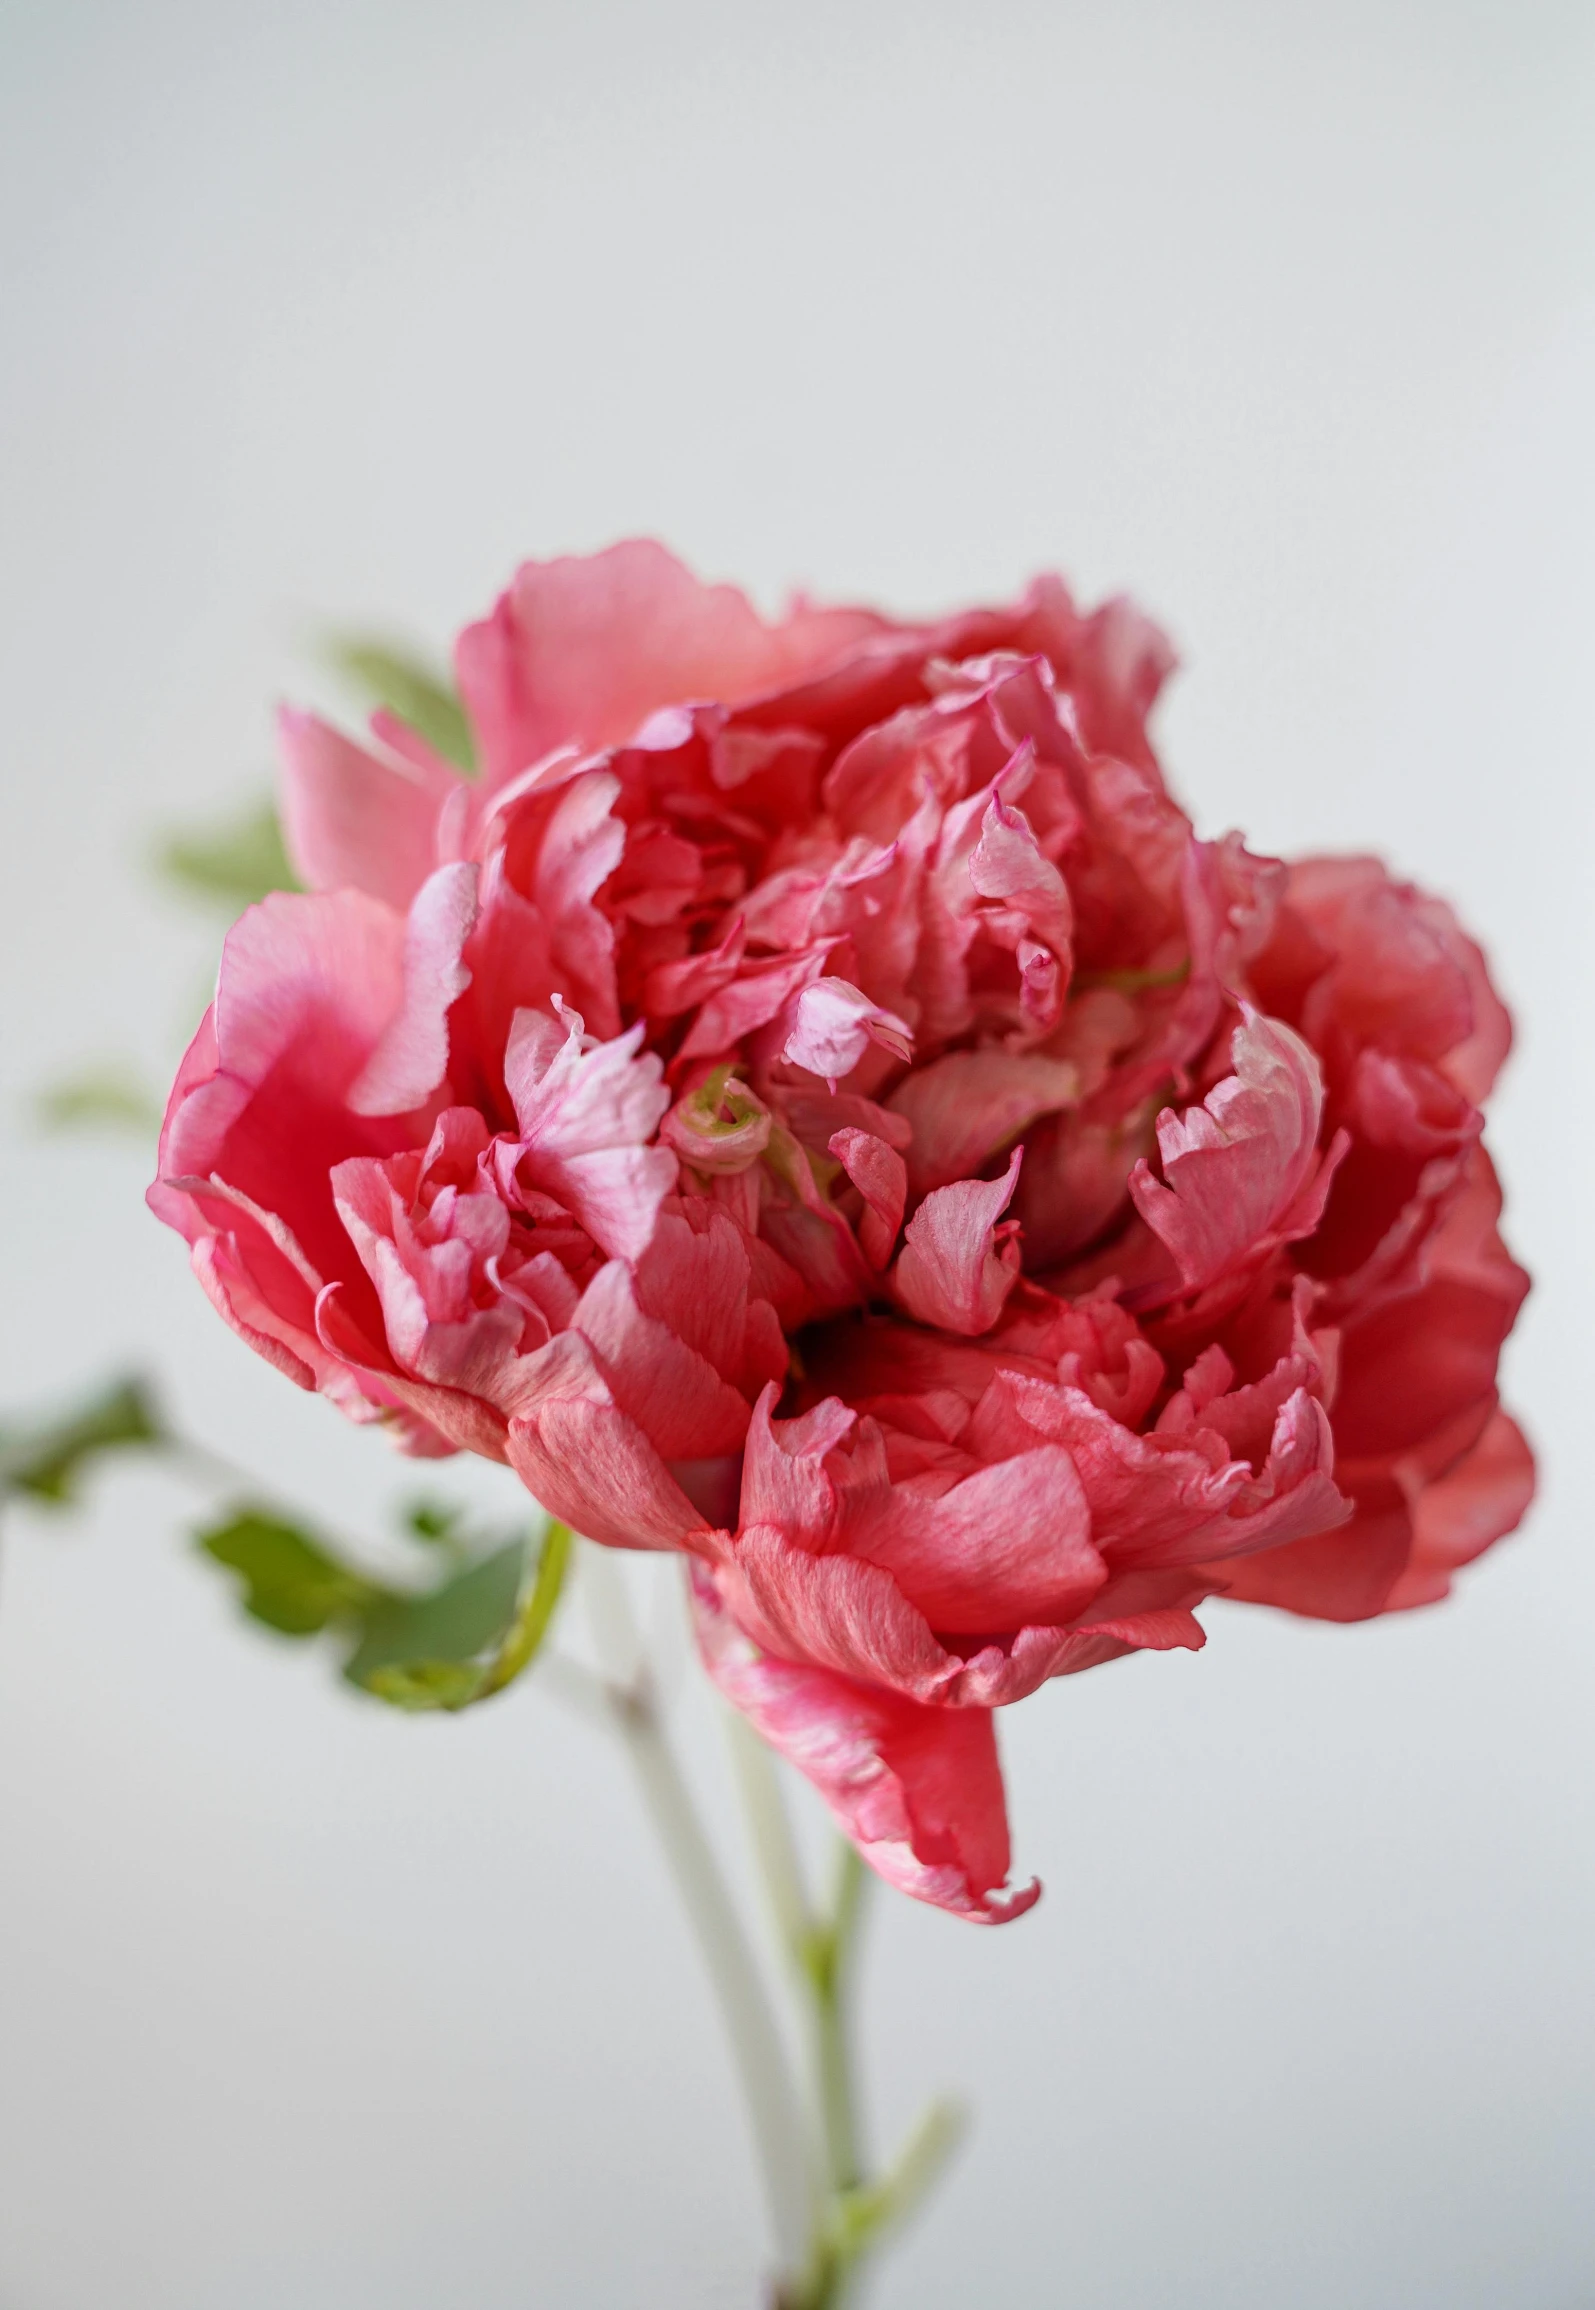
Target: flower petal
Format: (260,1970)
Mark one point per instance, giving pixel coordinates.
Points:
(918,1790)
(412,1058)
(950,1272)
(1240,1170)
(354,821)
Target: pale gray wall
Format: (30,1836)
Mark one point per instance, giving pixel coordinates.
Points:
(1285,316)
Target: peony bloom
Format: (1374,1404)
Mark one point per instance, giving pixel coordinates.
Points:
(813,1103)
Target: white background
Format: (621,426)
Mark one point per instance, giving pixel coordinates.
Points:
(1283,316)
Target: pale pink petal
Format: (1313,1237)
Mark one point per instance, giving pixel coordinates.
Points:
(584,1109)
(1240,1172)
(833,1025)
(587,648)
(412,1058)
(1008,866)
(615,1192)
(352,821)
(575,1096)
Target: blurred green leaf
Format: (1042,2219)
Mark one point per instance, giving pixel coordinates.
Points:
(232,864)
(470,1637)
(47,1459)
(98,1099)
(425,1651)
(388,674)
(436,1522)
(289,1580)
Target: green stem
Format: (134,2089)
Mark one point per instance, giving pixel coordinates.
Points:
(828,2216)
(770,1831)
(774,2109)
(829,1969)
(821,1950)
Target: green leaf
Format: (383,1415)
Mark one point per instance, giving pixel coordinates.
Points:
(232,864)
(468,1638)
(47,1458)
(469,1635)
(289,1580)
(535,1610)
(98,1099)
(424,1651)
(388,674)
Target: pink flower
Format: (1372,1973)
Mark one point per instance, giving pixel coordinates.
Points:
(815,1105)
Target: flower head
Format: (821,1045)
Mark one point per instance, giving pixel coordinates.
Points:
(813,1103)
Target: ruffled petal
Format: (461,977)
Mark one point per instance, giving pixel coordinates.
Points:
(1240,1172)
(587,647)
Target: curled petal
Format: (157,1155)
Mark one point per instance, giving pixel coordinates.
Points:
(918,1790)
(881,1177)
(720,1128)
(584,1110)
(833,1026)
(1240,1172)
(412,1058)
(950,1272)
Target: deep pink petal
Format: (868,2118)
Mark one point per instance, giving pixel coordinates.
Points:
(672,1393)
(919,1791)
(579,1454)
(950,1272)
(881,1177)
(1008,1546)
(1466,1510)
(966,1107)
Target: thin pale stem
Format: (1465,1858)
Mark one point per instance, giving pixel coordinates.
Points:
(774,2110)
(820,1948)
(770,1831)
(830,1971)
